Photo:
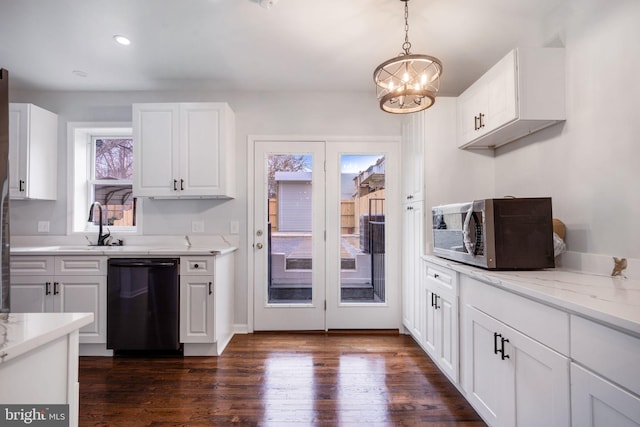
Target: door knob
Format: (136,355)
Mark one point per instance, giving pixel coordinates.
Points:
(259,245)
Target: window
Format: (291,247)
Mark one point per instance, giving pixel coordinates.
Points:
(110,172)
(101,170)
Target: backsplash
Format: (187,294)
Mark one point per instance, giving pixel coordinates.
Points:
(598,264)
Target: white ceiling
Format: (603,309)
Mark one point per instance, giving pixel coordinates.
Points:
(297,45)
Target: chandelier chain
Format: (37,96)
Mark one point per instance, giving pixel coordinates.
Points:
(406,46)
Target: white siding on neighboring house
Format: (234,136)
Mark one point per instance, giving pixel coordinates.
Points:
(347,186)
(294,201)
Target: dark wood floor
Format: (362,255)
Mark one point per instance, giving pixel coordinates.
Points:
(276,379)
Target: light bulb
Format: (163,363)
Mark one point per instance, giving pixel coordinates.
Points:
(405,77)
(423,79)
(391,86)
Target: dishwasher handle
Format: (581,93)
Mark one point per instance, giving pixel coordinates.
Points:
(142,263)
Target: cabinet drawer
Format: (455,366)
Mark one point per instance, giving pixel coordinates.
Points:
(85,265)
(445,279)
(541,322)
(610,353)
(196,265)
(31,265)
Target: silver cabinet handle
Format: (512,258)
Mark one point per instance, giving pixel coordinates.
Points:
(259,245)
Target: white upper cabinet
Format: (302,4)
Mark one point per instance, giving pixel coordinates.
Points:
(523,93)
(183,150)
(33,152)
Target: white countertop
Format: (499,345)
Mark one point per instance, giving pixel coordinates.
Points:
(23,332)
(611,300)
(135,250)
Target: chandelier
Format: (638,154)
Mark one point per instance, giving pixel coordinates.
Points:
(408,82)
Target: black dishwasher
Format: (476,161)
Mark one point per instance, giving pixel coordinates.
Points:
(143,305)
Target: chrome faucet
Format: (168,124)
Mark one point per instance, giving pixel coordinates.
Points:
(101,237)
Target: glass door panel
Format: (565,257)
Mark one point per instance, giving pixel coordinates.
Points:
(290,228)
(362,237)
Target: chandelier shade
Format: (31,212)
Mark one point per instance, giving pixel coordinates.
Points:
(408,82)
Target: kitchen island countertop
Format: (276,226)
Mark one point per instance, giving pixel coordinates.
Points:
(23,332)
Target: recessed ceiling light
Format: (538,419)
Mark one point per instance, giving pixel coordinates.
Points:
(268,4)
(79,73)
(122,40)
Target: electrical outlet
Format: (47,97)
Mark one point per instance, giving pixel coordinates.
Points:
(197,226)
(43,226)
(234,227)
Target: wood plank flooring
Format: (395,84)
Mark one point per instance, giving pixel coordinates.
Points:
(276,379)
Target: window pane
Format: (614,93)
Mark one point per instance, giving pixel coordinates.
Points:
(114,158)
(362,222)
(118,206)
(290,229)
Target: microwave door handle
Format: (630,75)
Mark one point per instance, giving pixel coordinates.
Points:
(469,244)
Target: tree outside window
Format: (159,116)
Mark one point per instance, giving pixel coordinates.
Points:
(111,180)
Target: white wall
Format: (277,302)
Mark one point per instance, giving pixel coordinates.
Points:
(451,175)
(590,165)
(265,113)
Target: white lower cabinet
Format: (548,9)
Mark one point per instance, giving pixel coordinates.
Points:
(605,375)
(197,322)
(206,303)
(514,355)
(511,379)
(43,284)
(597,402)
(439,295)
(520,362)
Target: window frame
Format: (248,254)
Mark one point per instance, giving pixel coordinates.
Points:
(80,149)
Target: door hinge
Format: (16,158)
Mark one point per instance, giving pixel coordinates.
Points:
(325,235)
(325,305)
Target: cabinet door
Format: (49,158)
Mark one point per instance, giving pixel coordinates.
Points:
(84,294)
(430,338)
(413,140)
(597,402)
(201,136)
(528,387)
(18,150)
(156,150)
(447,334)
(31,294)
(489,379)
(500,84)
(408,268)
(411,274)
(196,309)
(472,111)
(33,142)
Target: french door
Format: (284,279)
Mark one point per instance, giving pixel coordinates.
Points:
(325,235)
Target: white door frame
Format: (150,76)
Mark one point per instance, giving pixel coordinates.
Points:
(394,203)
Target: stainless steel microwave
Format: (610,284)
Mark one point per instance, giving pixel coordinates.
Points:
(497,234)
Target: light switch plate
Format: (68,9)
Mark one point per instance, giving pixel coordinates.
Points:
(234,227)
(43,226)
(197,226)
